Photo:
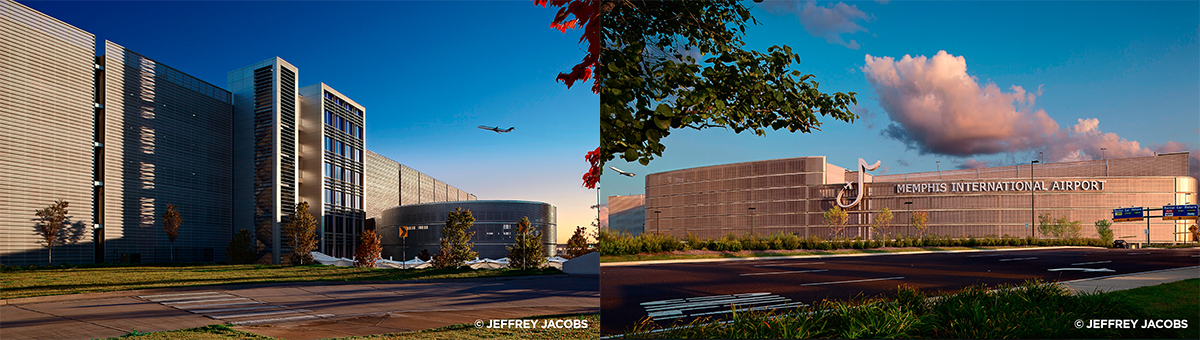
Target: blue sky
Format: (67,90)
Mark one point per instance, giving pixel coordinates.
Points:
(428,73)
(1119,75)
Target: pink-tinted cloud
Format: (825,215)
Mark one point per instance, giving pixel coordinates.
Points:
(824,22)
(936,107)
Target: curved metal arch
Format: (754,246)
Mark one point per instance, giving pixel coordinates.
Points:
(862,170)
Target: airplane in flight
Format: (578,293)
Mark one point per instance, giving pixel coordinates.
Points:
(497,129)
(630,174)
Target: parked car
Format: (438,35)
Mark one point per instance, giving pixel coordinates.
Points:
(1121,244)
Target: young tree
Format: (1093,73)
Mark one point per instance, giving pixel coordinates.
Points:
(881,221)
(241,249)
(456,240)
(300,233)
(527,252)
(171,223)
(578,244)
(1104,229)
(836,219)
(369,247)
(425,255)
(50,222)
(918,220)
(651,79)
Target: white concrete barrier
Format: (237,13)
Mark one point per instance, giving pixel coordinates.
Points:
(588,264)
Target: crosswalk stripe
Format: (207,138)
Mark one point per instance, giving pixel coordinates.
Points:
(177,294)
(214,305)
(284,319)
(223,310)
(191,298)
(246,315)
(170,303)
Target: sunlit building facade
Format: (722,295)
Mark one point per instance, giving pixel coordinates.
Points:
(332,151)
(791,195)
(47,132)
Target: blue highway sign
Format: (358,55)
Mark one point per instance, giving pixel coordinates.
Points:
(1128,214)
(1180,212)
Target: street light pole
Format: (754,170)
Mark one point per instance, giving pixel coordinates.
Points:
(1032,213)
(911,213)
(751,220)
(1105,161)
(657,222)
(939,168)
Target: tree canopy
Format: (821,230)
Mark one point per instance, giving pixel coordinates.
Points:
(666,65)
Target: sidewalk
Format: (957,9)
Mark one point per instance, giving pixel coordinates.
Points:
(1130,281)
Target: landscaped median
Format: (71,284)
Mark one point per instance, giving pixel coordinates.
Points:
(22,282)
(587,327)
(655,247)
(1031,310)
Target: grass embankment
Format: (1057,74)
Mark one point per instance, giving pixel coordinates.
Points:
(462,332)
(40,282)
(648,246)
(1031,310)
(701,254)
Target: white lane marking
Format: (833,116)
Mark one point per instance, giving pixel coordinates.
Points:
(1086,270)
(1136,253)
(713,297)
(1195,255)
(191,298)
(201,301)
(738,301)
(1083,263)
(787,272)
(219,305)
(179,294)
(853,281)
(246,315)
(285,319)
(222,310)
(785,305)
(789,264)
(1019,259)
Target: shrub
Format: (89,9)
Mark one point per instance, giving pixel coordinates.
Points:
(1104,228)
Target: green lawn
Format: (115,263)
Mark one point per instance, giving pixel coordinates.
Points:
(761,253)
(1031,310)
(458,332)
(41,282)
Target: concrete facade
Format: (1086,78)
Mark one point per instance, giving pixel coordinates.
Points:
(627,214)
(389,183)
(790,196)
(166,139)
(264,151)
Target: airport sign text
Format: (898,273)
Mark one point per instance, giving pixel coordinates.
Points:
(998,186)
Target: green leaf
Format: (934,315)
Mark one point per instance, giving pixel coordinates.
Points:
(662,124)
(630,155)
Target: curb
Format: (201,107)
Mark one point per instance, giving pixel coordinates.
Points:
(136,292)
(653,262)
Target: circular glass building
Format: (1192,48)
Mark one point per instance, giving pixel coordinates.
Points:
(495,226)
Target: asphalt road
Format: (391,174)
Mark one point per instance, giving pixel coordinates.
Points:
(300,310)
(684,291)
